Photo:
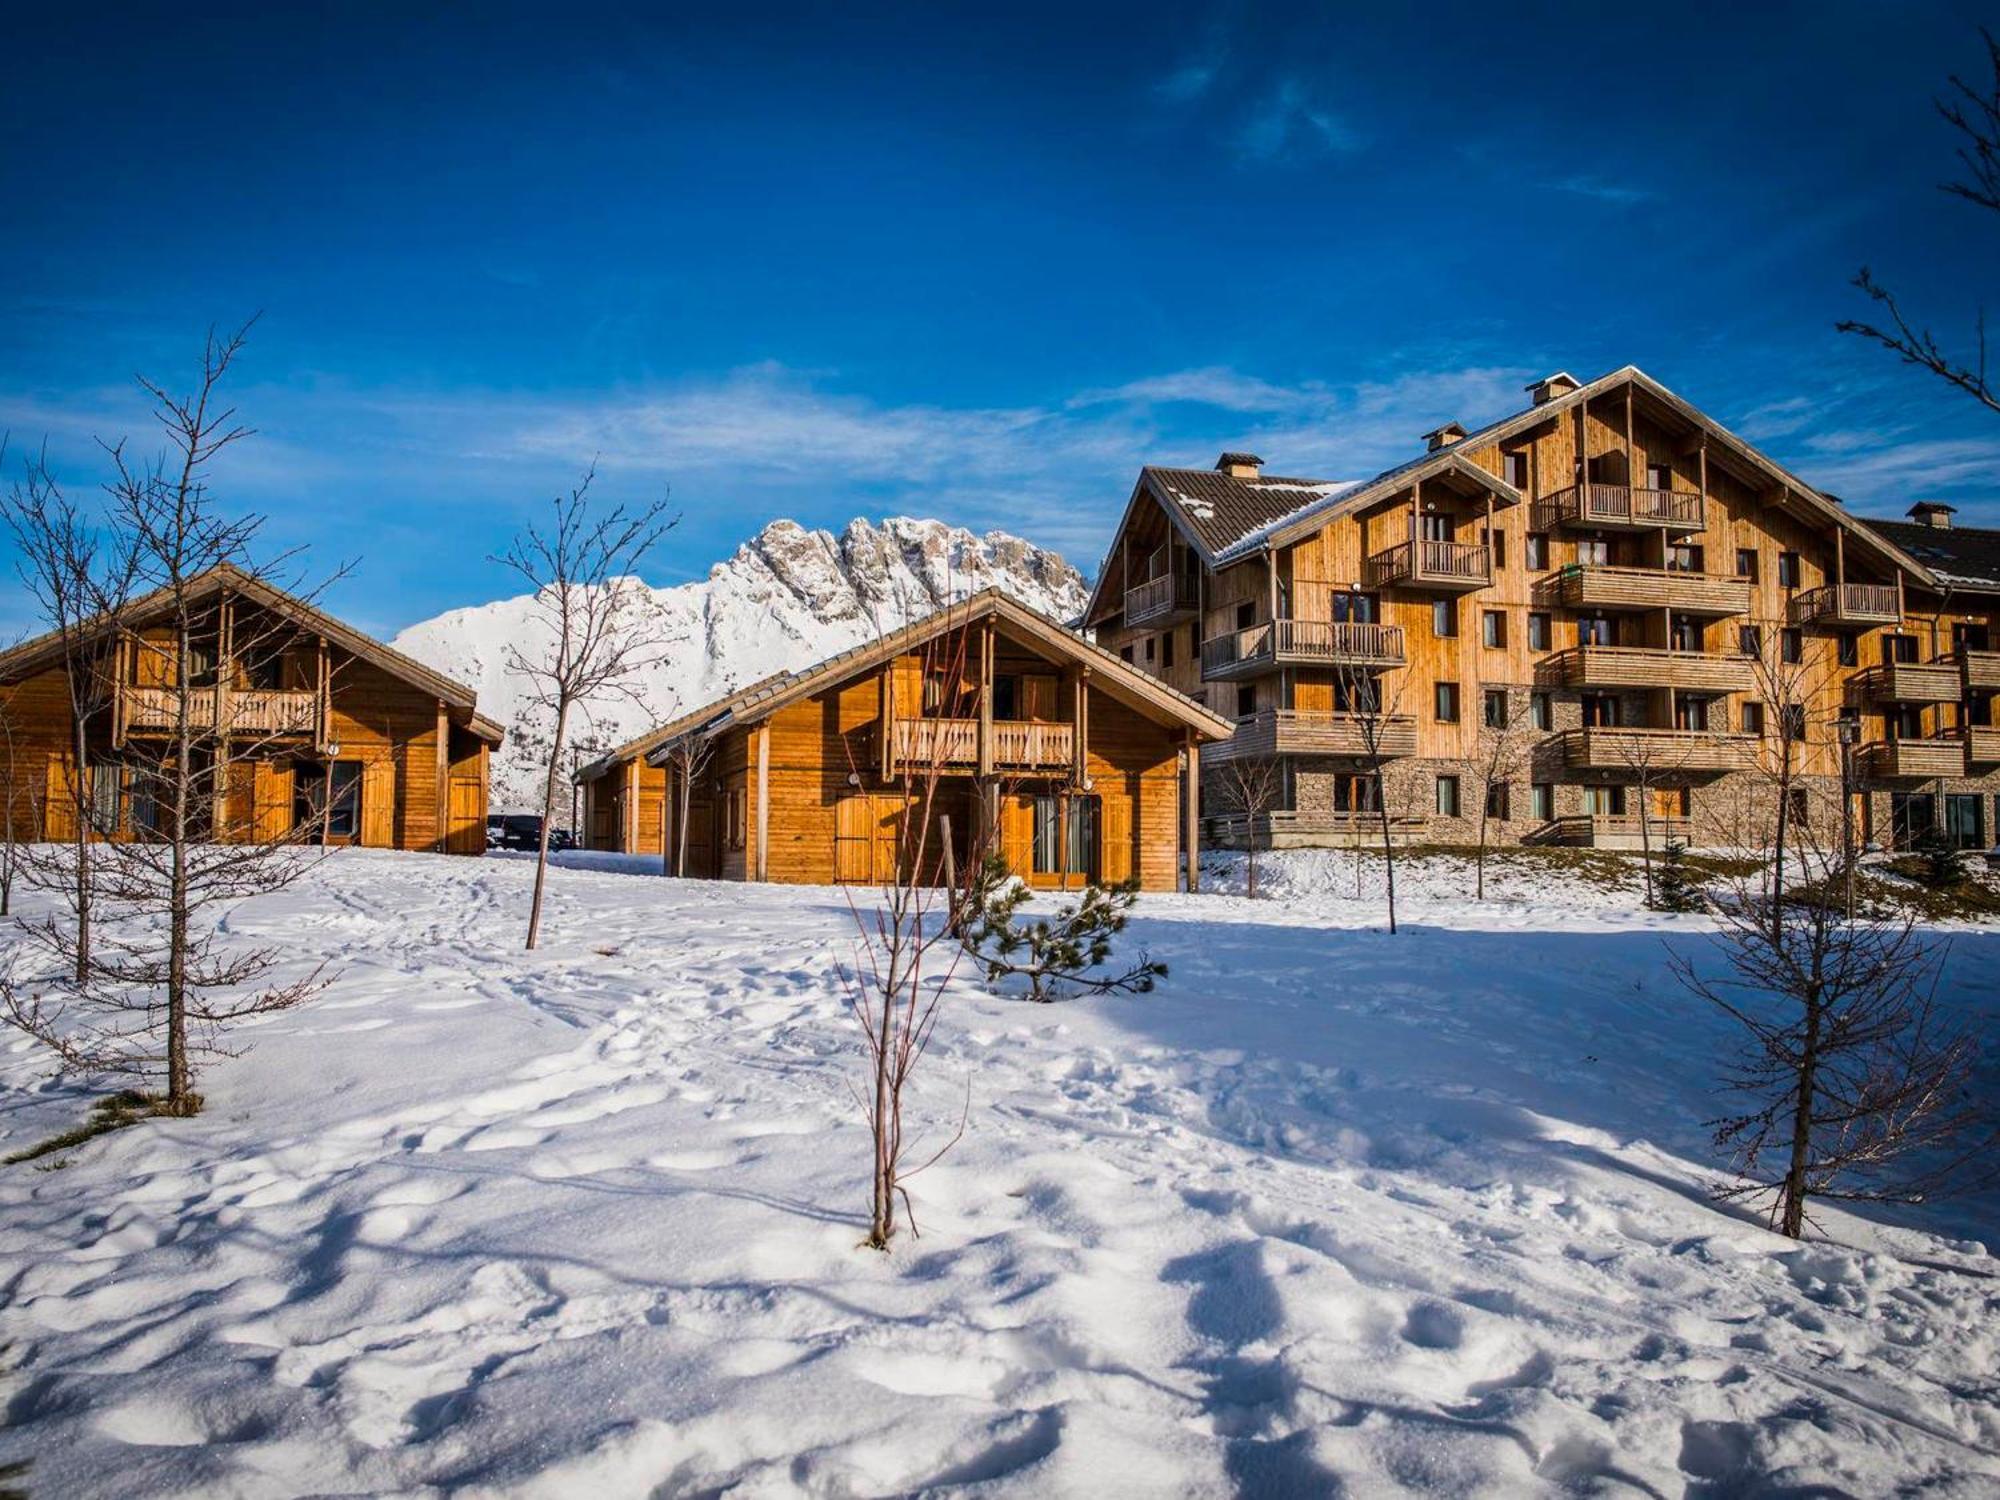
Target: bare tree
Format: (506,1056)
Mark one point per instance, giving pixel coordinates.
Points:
(17,804)
(1856,1088)
(1250,785)
(176,845)
(580,568)
(1652,762)
(687,758)
(1374,714)
(1788,689)
(1503,754)
(1973,111)
(77,576)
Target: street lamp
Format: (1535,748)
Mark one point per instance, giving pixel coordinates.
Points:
(1848,731)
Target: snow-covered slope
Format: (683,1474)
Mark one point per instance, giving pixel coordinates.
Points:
(788,598)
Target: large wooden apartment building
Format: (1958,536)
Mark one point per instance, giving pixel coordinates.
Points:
(1081,766)
(1608,575)
(300,721)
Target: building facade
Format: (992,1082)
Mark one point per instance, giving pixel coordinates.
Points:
(1599,606)
(293,721)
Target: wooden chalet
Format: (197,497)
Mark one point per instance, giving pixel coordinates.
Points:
(1081,766)
(305,713)
(1600,573)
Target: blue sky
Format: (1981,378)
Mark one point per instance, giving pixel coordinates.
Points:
(976,265)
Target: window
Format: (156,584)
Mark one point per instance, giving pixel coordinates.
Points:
(1167,648)
(1792,644)
(1788,570)
(1899,648)
(1447,703)
(1447,796)
(1691,714)
(1542,801)
(1246,699)
(1750,640)
(1356,794)
(1356,695)
(1007,696)
(1514,469)
(1600,711)
(1596,630)
(1659,477)
(1911,816)
(1246,615)
(1494,708)
(1848,652)
(1125,653)
(1355,609)
(1753,718)
(1435,526)
(107,786)
(1536,551)
(337,797)
(1152,642)
(1792,720)
(1908,721)
(1604,801)
(264,668)
(1542,710)
(1685,634)
(1746,563)
(1801,806)
(1684,557)
(1496,801)
(1493,628)
(1496,541)
(1594,552)
(1538,631)
(201,664)
(1444,618)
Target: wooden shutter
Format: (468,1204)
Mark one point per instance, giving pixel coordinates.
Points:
(1017,834)
(59,799)
(378,804)
(853,841)
(1115,830)
(273,794)
(466,815)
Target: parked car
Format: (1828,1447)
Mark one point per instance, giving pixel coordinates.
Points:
(524,831)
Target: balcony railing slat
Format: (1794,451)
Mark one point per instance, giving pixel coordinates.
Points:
(1019,744)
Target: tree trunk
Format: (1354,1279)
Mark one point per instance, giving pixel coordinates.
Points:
(681,839)
(1792,1197)
(1388,849)
(548,816)
(179,1074)
(882,1214)
(1479,860)
(1646,838)
(1784,830)
(82,819)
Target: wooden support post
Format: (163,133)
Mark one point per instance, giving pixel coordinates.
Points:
(1631,447)
(1271,588)
(764,801)
(225,660)
(323,692)
(1062,839)
(1191,815)
(120,698)
(888,722)
(443,843)
(1080,735)
(1840,555)
(985,756)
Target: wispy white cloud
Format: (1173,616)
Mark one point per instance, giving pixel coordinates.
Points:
(1290,121)
(1188,82)
(1589,185)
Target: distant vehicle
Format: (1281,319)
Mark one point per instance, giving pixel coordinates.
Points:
(524,831)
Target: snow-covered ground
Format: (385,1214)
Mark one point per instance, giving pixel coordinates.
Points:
(1422,1214)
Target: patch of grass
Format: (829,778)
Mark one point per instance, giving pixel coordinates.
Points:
(1608,869)
(112,1112)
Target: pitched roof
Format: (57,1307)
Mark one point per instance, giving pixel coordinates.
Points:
(46,650)
(1958,557)
(660,734)
(1216,509)
(1120,678)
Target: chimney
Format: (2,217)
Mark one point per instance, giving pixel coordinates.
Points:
(1933,513)
(1240,465)
(1444,437)
(1549,387)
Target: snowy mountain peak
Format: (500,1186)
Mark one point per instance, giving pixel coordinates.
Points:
(786,598)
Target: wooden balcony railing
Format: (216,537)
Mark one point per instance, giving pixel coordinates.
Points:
(1018,744)
(1652,667)
(1431,564)
(1299,731)
(1859,604)
(1982,744)
(1159,597)
(1616,831)
(244,711)
(1916,757)
(1914,682)
(1979,669)
(1589,586)
(1620,507)
(1283,643)
(1658,751)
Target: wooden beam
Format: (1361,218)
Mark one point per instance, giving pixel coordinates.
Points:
(764,801)
(985,756)
(887,720)
(443,778)
(1081,733)
(1191,815)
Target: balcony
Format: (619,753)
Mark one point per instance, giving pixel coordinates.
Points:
(1308,830)
(1915,757)
(1300,731)
(1980,670)
(1300,643)
(953,744)
(271,712)
(1853,606)
(1657,751)
(1450,567)
(1616,831)
(1618,507)
(1982,744)
(1590,587)
(1913,682)
(1160,600)
(1651,667)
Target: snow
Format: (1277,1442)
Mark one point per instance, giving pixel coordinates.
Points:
(1419,1214)
(788,598)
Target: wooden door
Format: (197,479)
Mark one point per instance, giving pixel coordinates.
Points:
(1117,857)
(59,800)
(465,808)
(273,795)
(1017,834)
(378,804)
(700,838)
(652,821)
(867,829)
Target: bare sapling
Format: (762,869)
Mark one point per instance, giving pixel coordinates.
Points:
(18,805)
(594,634)
(1503,754)
(177,831)
(1250,786)
(686,762)
(1856,1086)
(1372,708)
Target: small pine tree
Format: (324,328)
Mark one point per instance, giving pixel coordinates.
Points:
(1052,953)
(1937,862)
(1674,885)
